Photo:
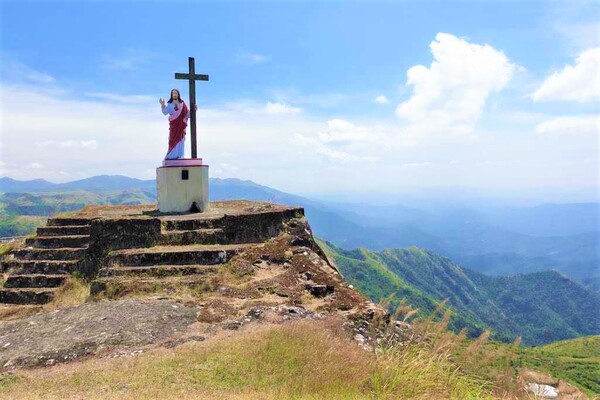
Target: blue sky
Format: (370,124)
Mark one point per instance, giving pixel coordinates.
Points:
(309,96)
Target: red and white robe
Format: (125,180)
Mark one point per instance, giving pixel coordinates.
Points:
(178,119)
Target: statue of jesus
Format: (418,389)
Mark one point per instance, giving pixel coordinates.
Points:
(178,118)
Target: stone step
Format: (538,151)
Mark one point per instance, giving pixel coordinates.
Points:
(26,296)
(175,255)
(118,286)
(50,254)
(34,281)
(198,236)
(192,224)
(63,230)
(57,242)
(68,221)
(53,267)
(159,270)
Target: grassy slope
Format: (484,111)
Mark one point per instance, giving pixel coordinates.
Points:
(540,307)
(546,306)
(300,360)
(576,361)
(371,276)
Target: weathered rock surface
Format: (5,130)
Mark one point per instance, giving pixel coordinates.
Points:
(67,334)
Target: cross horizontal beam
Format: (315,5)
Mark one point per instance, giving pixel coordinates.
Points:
(196,77)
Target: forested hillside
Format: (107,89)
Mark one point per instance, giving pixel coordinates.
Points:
(540,307)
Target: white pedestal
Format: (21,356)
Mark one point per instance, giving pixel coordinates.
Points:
(182,188)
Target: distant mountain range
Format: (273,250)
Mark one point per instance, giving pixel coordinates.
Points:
(491,240)
(540,307)
(93,184)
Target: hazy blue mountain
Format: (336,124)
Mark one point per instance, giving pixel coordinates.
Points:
(107,183)
(13,185)
(511,263)
(541,220)
(93,184)
(547,219)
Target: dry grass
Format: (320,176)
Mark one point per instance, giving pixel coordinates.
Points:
(495,363)
(5,248)
(175,287)
(75,291)
(10,312)
(304,360)
(66,214)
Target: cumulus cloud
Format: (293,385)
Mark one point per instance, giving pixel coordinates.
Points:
(381,100)
(279,108)
(574,125)
(452,92)
(344,141)
(239,139)
(579,82)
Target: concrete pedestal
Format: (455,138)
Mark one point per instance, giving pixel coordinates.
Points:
(182,188)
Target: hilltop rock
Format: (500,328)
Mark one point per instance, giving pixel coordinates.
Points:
(179,278)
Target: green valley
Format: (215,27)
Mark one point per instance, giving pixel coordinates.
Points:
(540,307)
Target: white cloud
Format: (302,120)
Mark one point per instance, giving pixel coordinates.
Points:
(451,93)
(381,100)
(69,144)
(579,82)
(321,100)
(417,165)
(344,141)
(13,70)
(295,152)
(249,58)
(340,132)
(279,108)
(119,98)
(578,125)
(580,34)
(128,59)
(36,165)
(338,155)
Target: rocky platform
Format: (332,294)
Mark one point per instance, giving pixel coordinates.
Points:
(162,280)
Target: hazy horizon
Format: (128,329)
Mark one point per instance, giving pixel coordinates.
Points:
(455,194)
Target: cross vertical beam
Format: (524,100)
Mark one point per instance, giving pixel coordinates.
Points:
(192,77)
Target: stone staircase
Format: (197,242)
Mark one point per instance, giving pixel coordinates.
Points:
(34,272)
(189,252)
(137,247)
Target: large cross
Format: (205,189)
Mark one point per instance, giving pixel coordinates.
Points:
(192,77)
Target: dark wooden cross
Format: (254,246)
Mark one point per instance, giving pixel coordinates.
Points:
(192,77)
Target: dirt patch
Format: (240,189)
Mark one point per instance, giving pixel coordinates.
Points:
(91,328)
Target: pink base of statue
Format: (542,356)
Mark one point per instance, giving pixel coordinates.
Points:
(183,162)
